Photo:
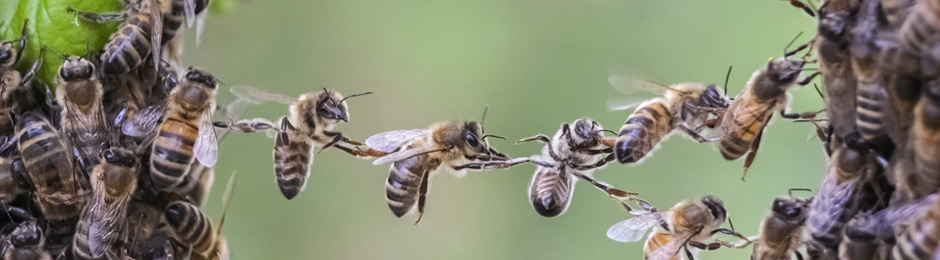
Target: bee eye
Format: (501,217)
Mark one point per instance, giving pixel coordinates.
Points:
(472,140)
(26,239)
(108,156)
(793,212)
(5,56)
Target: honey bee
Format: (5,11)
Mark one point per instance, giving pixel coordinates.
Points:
(687,224)
(310,124)
(834,59)
(781,232)
(925,141)
(193,230)
(26,242)
(59,190)
(919,34)
(12,83)
(920,239)
(159,247)
(186,129)
(859,242)
(175,12)
(137,37)
(741,127)
(573,152)
(871,99)
(684,106)
(418,153)
(83,121)
(104,220)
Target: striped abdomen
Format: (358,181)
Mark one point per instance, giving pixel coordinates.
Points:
(49,163)
(925,137)
(869,109)
(129,45)
(642,132)
(172,21)
(654,242)
(740,125)
(172,152)
(921,238)
(920,29)
(406,180)
(190,225)
(550,191)
(8,183)
(292,160)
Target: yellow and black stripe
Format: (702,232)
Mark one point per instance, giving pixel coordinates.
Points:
(292,158)
(190,225)
(172,152)
(642,131)
(550,191)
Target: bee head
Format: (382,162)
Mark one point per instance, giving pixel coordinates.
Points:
(713,97)
(76,68)
(474,140)
(201,77)
(832,25)
(27,234)
(7,55)
(332,105)
(120,157)
(586,133)
(789,209)
(784,71)
(716,207)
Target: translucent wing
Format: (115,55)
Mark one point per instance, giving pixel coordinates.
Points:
(207,144)
(105,227)
(200,24)
(829,202)
(633,229)
(189,12)
(631,85)
(257,96)
(401,155)
(627,102)
(144,122)
(391,140)
(671,248)
(156,16)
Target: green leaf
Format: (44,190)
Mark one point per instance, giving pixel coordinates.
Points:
(62,33)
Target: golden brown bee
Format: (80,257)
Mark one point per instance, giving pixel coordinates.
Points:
(103,221)
(742,125)
(310,124)
(575,151)
(137,37)
(684,106)
(417,153)
(185,132)
(925,140)
(48,161)
(782,230)
(27,242)
(871,95)
(921,239)
(83,121)
(687,224)
(193,231)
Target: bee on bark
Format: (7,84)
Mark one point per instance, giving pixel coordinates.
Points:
(575,151)
(683,106)
(687,224)
(310,124)
(418,153)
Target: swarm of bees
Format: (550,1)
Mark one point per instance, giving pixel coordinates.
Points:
(117,161)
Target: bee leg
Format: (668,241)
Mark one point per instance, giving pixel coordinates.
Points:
(546,140)
(337,136)
(805,8)
(359,150)
(798,255)
(688,253)
(752,153)
(596,151)
(22,41)
(422,195)
(696,136)
(607,188)
(28,77)
(492,164)
(730,232)
(98,18)
(808,79)
(804,115)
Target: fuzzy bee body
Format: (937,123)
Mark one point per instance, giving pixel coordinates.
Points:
(83,122)
(49,163)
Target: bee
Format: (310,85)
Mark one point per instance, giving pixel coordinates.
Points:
(684,106)
(920,239)
(46,157)
(12,83)
(742,125)
(687,224)
(83,121)
(136,38)
(417,153)
(871,98)
(781,232)
(310,124)
(159,246)
(193,230)
(573,152)
(834,59)
(186,129)
(104,220)
(175,12)
(859,242)
(26,242)
(919,33)
(925,141)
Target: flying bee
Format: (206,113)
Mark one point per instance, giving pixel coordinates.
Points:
(185,130)
(683,106)
(104,220)
(46,156)
(687,224)
(310,124)
(573,152)
(26,242)
(136,38)
(83,121)
(742,125)
(416,154)
(193,230)
(12,83)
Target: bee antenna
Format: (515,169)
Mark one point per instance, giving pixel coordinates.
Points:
(494,136)
(482,119)
(727,76)
(356,95)
(788,53)
(731,223)
(798,189)
(61,55)
(606,130)
(819,91)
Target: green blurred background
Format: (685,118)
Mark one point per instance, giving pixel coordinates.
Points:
(537,64)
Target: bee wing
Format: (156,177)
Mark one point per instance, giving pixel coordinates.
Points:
(401,155)
(105,227)
(626,102)
(256,96)
(207,144)
(671,248)
(189,12)
(144,122)
(829,202)
(156,15)
(631,85)
(392,140)
(633,229)
(200,24)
